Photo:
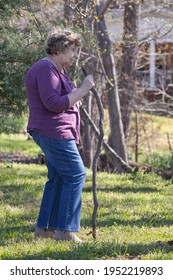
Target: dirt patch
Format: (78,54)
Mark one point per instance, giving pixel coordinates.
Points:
(104,164)
(20,158)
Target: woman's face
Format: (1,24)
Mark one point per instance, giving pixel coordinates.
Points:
(67,58)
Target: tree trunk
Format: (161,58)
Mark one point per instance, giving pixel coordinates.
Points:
(117,140)
(127,80)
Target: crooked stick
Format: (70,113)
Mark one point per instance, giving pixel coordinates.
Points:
(96,156)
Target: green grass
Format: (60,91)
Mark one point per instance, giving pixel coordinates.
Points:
(153,132)
(12,143)
(153,146)
(135,217)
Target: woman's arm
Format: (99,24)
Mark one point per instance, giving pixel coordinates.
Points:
(79,93)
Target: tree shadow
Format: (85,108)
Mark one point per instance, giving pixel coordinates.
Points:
(17,233)
(20,194)
(123,189)
(145,221)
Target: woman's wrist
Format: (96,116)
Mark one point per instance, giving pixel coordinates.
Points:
(77,95)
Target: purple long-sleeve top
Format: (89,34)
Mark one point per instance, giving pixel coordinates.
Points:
(49,111)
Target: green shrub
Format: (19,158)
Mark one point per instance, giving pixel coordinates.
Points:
(164,161)
(12,124)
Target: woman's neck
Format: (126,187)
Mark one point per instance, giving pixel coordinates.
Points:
(55,62)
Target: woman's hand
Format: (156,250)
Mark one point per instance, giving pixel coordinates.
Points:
(79,93)
(87,83)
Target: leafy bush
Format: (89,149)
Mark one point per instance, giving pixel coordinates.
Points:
(164,161)
(12,124)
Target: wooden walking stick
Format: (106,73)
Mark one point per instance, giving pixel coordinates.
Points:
(96,156)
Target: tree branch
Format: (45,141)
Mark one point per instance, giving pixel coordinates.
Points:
(154,35)
(104,8)
(109,151)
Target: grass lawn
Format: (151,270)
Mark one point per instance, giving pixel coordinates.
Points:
(135,216)
(153,134)
(13,143)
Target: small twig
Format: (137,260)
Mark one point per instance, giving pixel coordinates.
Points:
(169,143)
(171,150)
(155,37)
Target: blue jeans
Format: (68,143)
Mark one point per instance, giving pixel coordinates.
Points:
(62,198)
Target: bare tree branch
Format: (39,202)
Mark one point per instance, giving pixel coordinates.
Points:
(109,151)
(154,36)
(104,8)
(157,110)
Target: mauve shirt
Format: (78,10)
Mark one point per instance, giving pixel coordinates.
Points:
(49,111)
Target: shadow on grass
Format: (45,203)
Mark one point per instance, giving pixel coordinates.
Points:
(120,189)
(148,221)
(23,234)
(95,250)
(21,194)
(17,233)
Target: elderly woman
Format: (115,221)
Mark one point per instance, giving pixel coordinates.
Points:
(54,124)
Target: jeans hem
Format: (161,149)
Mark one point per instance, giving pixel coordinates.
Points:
(59,228)
(64,229)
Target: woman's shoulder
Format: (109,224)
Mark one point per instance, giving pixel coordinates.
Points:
(41,64)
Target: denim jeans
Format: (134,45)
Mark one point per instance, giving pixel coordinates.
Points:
(62,197)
